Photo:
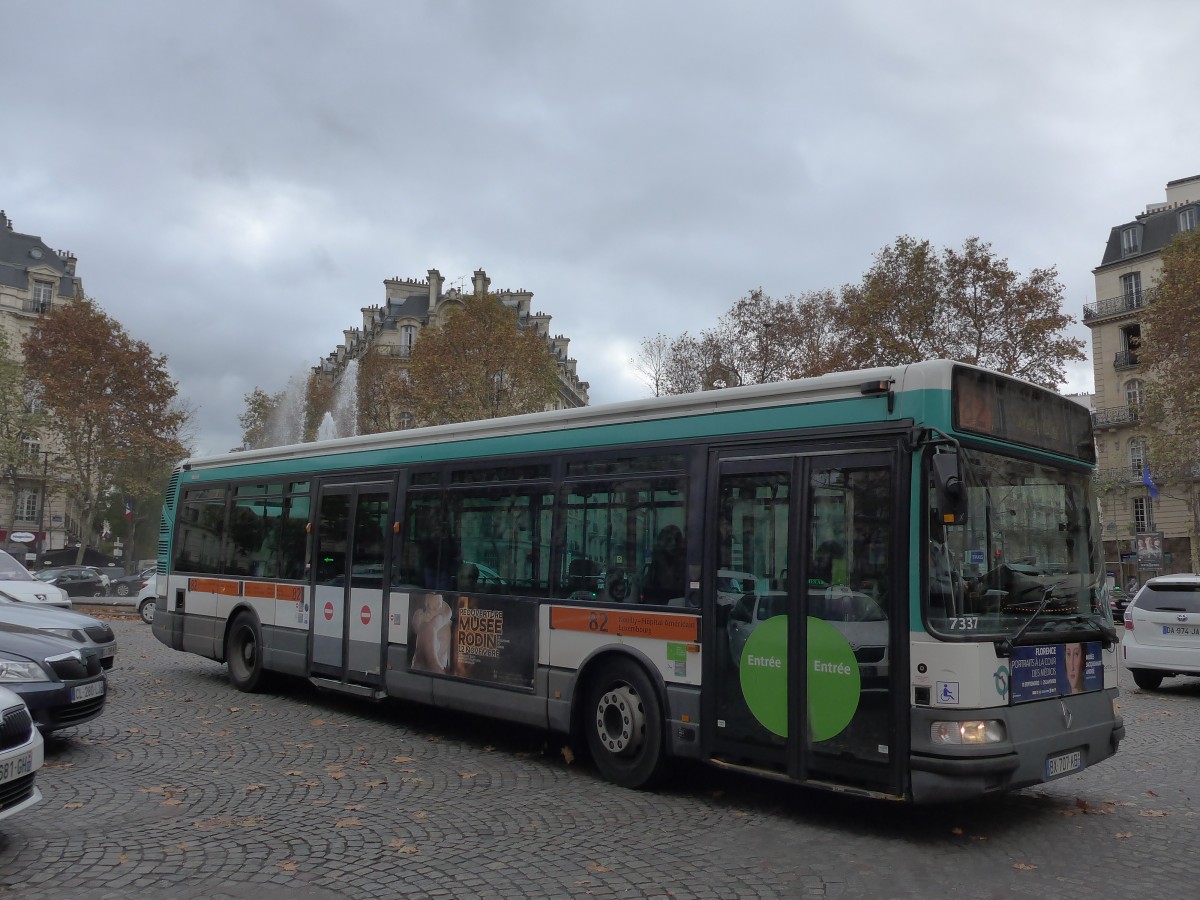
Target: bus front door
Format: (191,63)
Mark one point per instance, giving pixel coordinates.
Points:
(802,652)
(350,587)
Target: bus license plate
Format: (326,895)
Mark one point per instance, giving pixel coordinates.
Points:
(1064,763)
(16,767)
(87,691)
(1192,630)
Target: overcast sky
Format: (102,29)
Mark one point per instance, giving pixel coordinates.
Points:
(238,179)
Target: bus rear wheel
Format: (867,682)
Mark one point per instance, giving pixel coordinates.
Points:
(243,654)
(623,720)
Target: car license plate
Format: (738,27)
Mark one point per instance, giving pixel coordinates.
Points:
(106,652)
(1190,630)
(14,768)
(1064,763)
(87,691)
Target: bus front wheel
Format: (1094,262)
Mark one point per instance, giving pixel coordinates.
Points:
(624,725)
(243,654)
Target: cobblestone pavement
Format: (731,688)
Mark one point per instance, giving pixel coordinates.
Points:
(186,788)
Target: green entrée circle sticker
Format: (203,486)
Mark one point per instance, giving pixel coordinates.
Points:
(833,680)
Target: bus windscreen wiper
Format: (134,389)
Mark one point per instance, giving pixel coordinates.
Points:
(1047,592)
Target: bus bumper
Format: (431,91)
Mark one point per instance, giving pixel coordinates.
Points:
(1040,736)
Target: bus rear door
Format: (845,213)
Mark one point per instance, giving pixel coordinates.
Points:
(354,525)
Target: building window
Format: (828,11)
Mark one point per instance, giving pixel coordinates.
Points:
(1131,289)
(1142,519)
(43,293)
(408,336)
(27,506)
(406,421)
(1133,392)
(31,448)
(1131,340)
(1131,240)
(1137,454)
(1187,219)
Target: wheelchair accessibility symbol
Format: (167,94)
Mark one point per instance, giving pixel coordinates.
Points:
(947,692)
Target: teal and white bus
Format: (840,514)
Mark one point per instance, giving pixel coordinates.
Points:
(885,582)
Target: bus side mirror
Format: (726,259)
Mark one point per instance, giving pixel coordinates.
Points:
(951,492)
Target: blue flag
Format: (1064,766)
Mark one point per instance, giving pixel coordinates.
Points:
(1148,482)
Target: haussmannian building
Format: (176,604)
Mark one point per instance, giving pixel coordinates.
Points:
(411,305)
(33,279)
(1125,280)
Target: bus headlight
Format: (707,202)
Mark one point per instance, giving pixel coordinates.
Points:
(974,731)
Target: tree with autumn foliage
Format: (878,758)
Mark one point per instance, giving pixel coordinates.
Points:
(258,419)
(915,303)
(110,401)
(759,340)
(384,391)
(480,364)
(1170,355)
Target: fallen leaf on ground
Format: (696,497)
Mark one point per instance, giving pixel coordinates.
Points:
(1024,867)
(568,754)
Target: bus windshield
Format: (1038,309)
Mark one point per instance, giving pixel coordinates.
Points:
(1026,561)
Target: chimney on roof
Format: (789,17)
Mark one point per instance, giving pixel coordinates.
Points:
(480,282)
(435,287)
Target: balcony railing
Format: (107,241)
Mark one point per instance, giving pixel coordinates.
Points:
(1120,473)
(1116,305)
(1114,415)
(1125,359)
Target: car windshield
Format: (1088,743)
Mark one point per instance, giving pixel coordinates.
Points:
(11,570)
(47,574)
(1027,559)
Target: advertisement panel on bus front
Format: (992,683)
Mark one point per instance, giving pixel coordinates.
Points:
(1052,670)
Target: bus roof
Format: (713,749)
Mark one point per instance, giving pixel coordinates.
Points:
(922,376)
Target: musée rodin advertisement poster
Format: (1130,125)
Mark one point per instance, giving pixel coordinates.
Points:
(480,638)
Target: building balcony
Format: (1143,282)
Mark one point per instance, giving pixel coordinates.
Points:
(1121,474)
(1114,417)
(1125,359)
(1116,306)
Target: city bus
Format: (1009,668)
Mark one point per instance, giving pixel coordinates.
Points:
(887,582)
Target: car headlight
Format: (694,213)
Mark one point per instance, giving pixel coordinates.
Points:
(11,671)
(69,633)
(979,731)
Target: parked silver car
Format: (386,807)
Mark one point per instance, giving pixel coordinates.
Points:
(21,755)
(64,623)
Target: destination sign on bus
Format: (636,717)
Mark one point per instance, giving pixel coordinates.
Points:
(998,407)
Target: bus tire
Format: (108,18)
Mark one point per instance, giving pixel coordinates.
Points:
(623,720)
(243,654)
(1146,679)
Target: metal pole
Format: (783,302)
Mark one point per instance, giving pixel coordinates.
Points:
(42,510)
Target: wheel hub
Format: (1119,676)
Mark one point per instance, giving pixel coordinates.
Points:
(620,720)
